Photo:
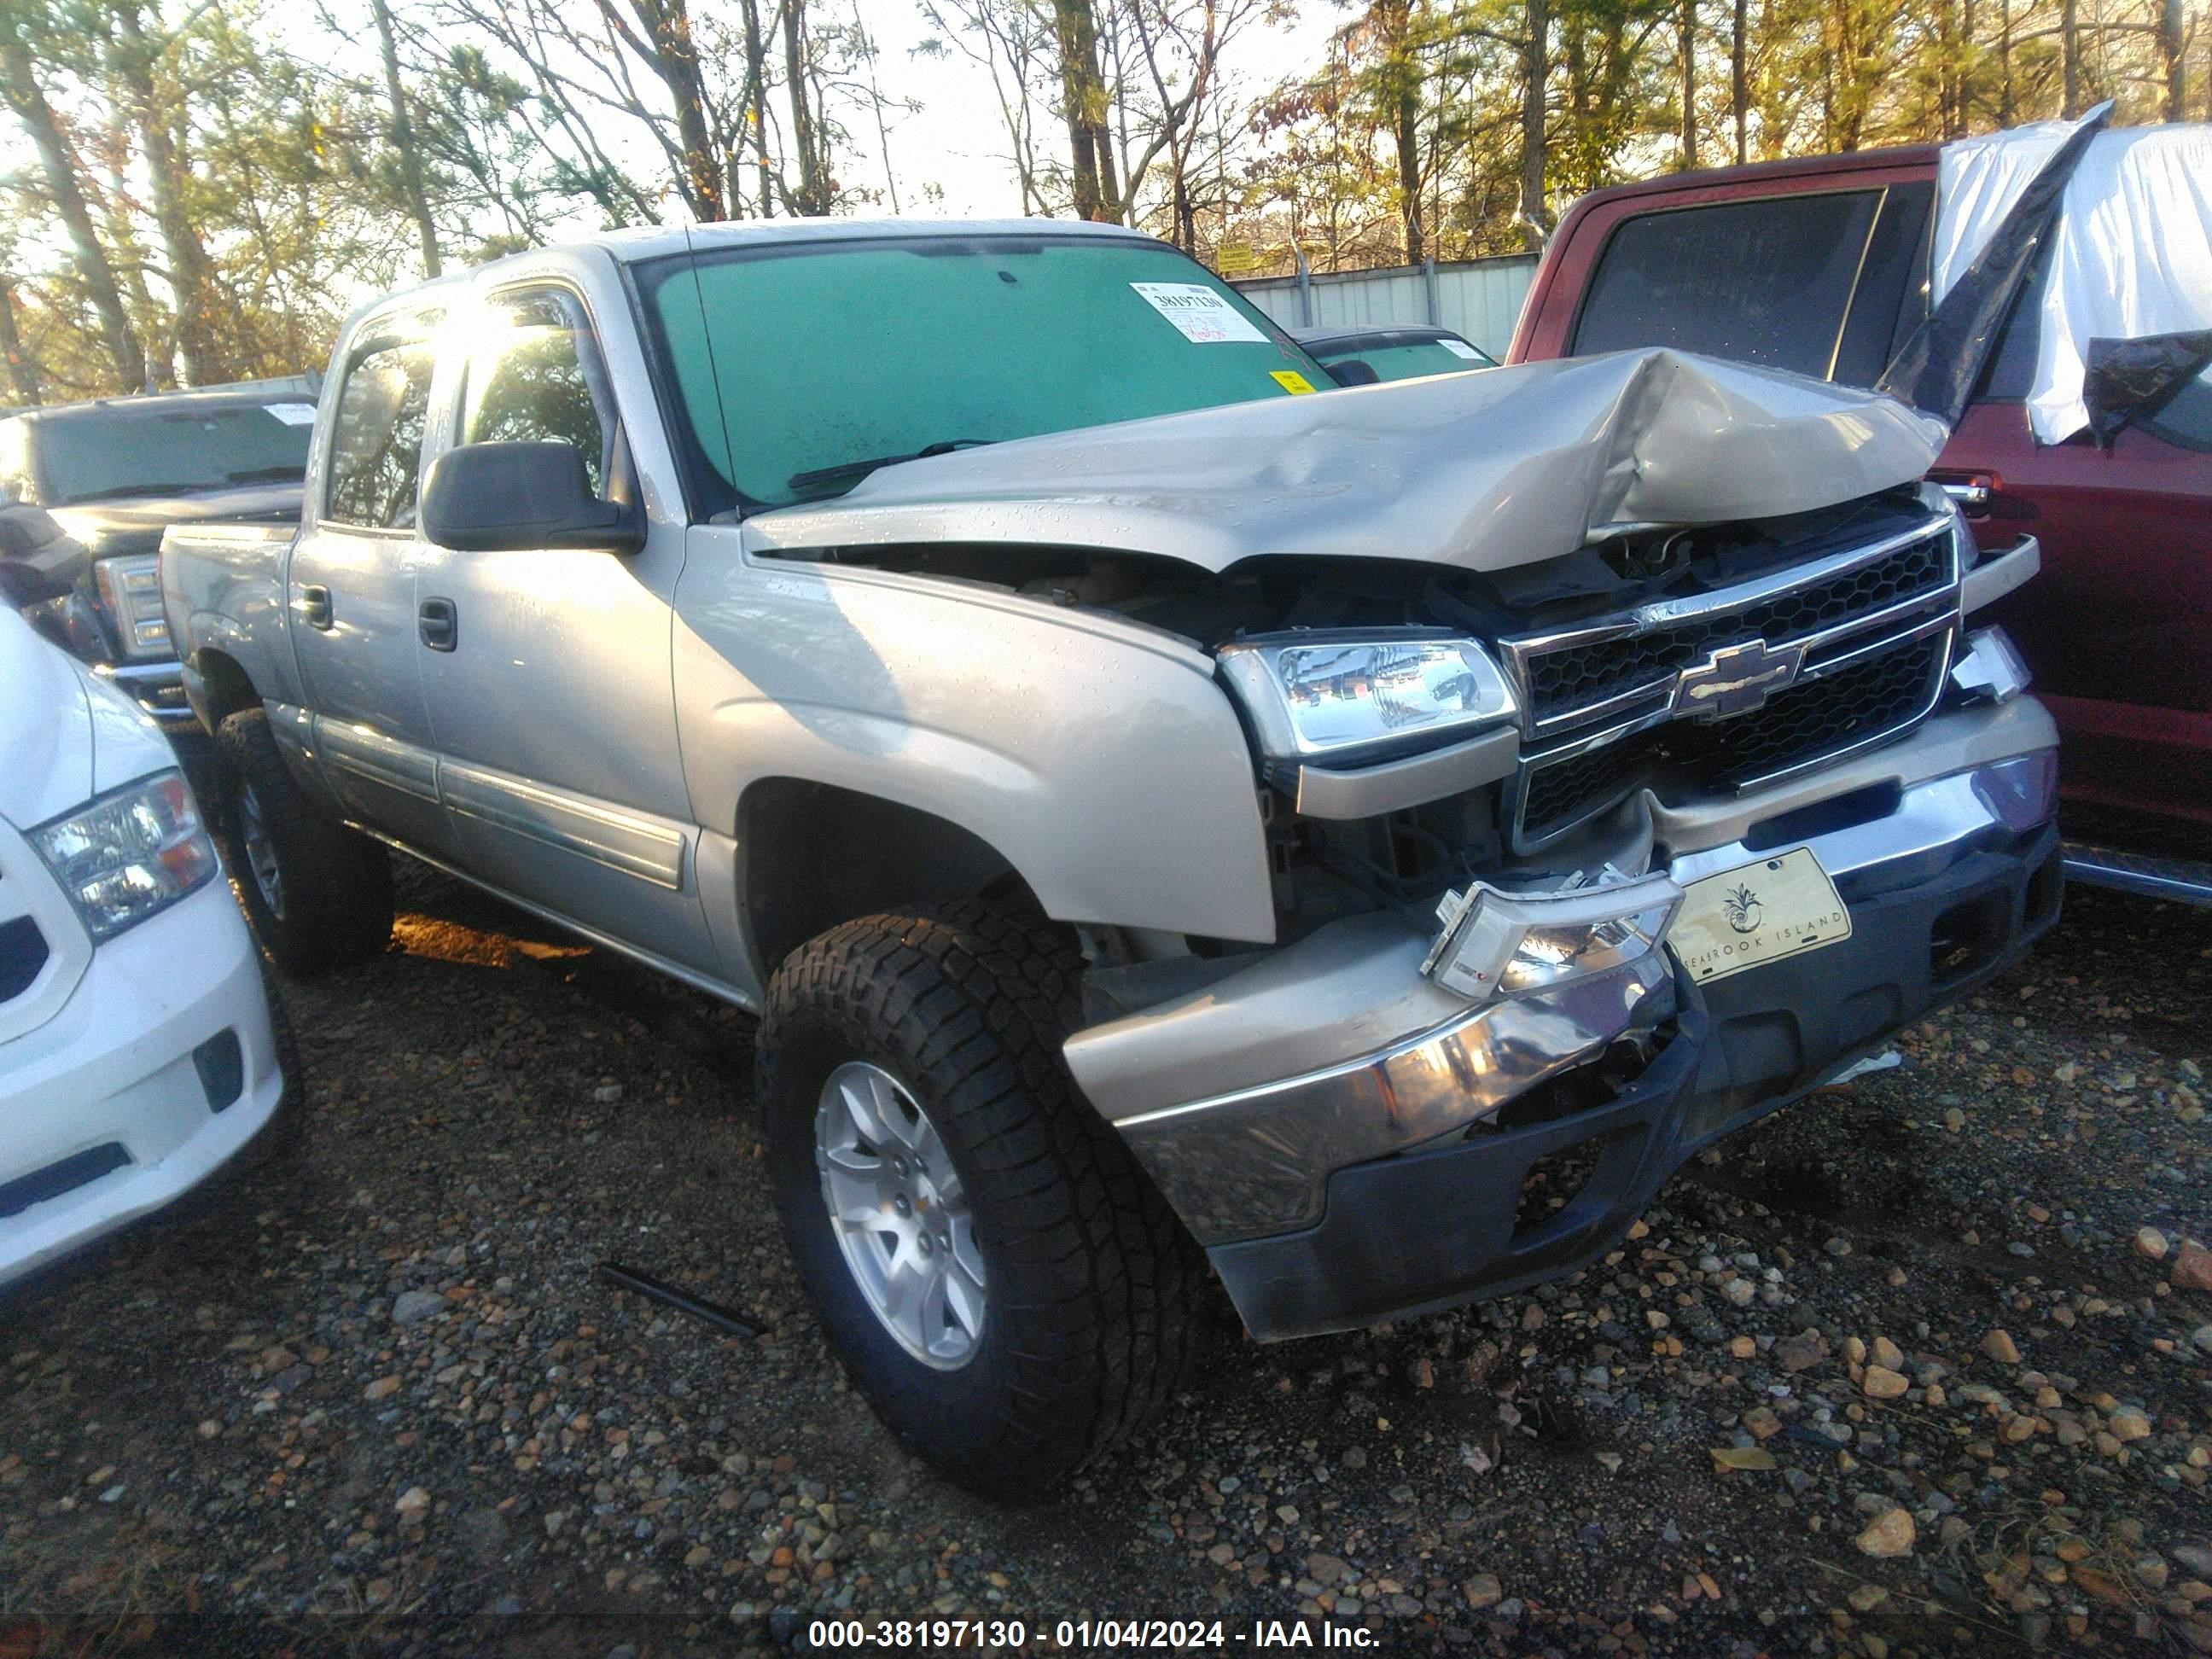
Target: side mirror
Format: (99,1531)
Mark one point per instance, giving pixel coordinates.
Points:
(497,498)
(1352,372)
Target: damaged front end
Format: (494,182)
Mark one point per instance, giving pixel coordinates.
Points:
(1543,673)
(1473,1055)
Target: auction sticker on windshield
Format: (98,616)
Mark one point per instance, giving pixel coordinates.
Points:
(1779,907)
(1198,312)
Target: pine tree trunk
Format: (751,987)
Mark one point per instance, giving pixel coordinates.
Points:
(23,371)
(27,99)
(813,193)
(1739,83)
(2070,50)
(2005,102)
(678,66)
(2170,53)
(191,275)
(756,105)
(401,133)
(1083,91)
(1686,33)
(1404,93)
(1536,69)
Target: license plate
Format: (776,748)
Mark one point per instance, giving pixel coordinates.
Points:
(1759,912)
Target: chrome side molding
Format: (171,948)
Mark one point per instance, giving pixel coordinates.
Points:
(2185,881)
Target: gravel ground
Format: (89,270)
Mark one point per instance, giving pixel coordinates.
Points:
(1896,1372)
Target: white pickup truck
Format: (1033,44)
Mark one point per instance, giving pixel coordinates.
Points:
(1361,843)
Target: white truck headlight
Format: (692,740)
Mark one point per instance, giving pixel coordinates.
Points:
(1334,698)
(131,589)
(130,855)
(1496,943)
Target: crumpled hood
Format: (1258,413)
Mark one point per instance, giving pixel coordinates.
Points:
(1489,471)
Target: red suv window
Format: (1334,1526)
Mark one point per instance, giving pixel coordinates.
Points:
(1824,284)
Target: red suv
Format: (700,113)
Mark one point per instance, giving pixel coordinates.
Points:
(1821,266)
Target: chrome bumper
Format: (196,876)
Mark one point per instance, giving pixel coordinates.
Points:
(157,686)
(1245,1156)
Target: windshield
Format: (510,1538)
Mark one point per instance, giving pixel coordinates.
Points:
(156,450)
(1409,361)
(799,368)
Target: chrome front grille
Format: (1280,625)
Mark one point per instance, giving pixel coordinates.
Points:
(1865,632)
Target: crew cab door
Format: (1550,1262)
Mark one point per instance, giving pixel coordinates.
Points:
(546,670)
(2114,626)
(349,586)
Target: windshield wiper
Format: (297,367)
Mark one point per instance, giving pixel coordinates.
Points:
(120,490)
(857,470)
(289,473)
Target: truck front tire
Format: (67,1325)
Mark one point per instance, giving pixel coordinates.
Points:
(318,894)
(1000,1281)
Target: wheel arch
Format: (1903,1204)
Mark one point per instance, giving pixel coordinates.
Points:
(813,855)
(218,686)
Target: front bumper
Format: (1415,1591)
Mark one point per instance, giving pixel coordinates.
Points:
(1949,876)
(160,1067)
(159,688)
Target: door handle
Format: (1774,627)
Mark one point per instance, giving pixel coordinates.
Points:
(439,623)
(315,607)
(1971,490)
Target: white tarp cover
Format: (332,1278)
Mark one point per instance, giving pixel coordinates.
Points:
(1508,467)
(2133,252)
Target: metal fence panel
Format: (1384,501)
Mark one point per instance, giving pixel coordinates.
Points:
(1480,299)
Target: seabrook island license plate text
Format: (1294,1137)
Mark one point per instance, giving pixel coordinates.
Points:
(1777,907)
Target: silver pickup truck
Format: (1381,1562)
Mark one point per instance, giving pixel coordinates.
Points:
(1168,813)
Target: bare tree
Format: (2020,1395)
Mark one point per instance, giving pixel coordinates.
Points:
(1016,47)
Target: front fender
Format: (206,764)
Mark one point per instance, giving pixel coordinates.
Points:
(1098,758)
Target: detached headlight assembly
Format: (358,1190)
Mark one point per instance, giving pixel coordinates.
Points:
(1332,699)
(1498,943)
(130,855)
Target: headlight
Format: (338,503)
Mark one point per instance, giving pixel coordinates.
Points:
(130,589)
(1499,943)
(123,859)
(1336,699)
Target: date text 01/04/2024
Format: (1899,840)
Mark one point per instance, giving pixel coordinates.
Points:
(1085,1635)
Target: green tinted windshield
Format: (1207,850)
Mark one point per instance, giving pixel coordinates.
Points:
(811,360)
(1405,362)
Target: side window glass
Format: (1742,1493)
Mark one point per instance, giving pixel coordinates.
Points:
(1893,286)
(535,378)
(376,447)
(1761,282)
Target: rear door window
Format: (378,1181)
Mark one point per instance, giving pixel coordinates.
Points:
(376,445)
(1765,281)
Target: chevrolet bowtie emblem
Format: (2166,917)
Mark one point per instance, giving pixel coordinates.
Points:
(1735,679)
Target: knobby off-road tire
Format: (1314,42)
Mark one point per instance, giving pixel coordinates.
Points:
(1092,1298)
(318,894)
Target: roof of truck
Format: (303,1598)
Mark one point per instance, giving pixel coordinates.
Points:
(630,246)
(650,241)
(295,387)
(1765,173)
